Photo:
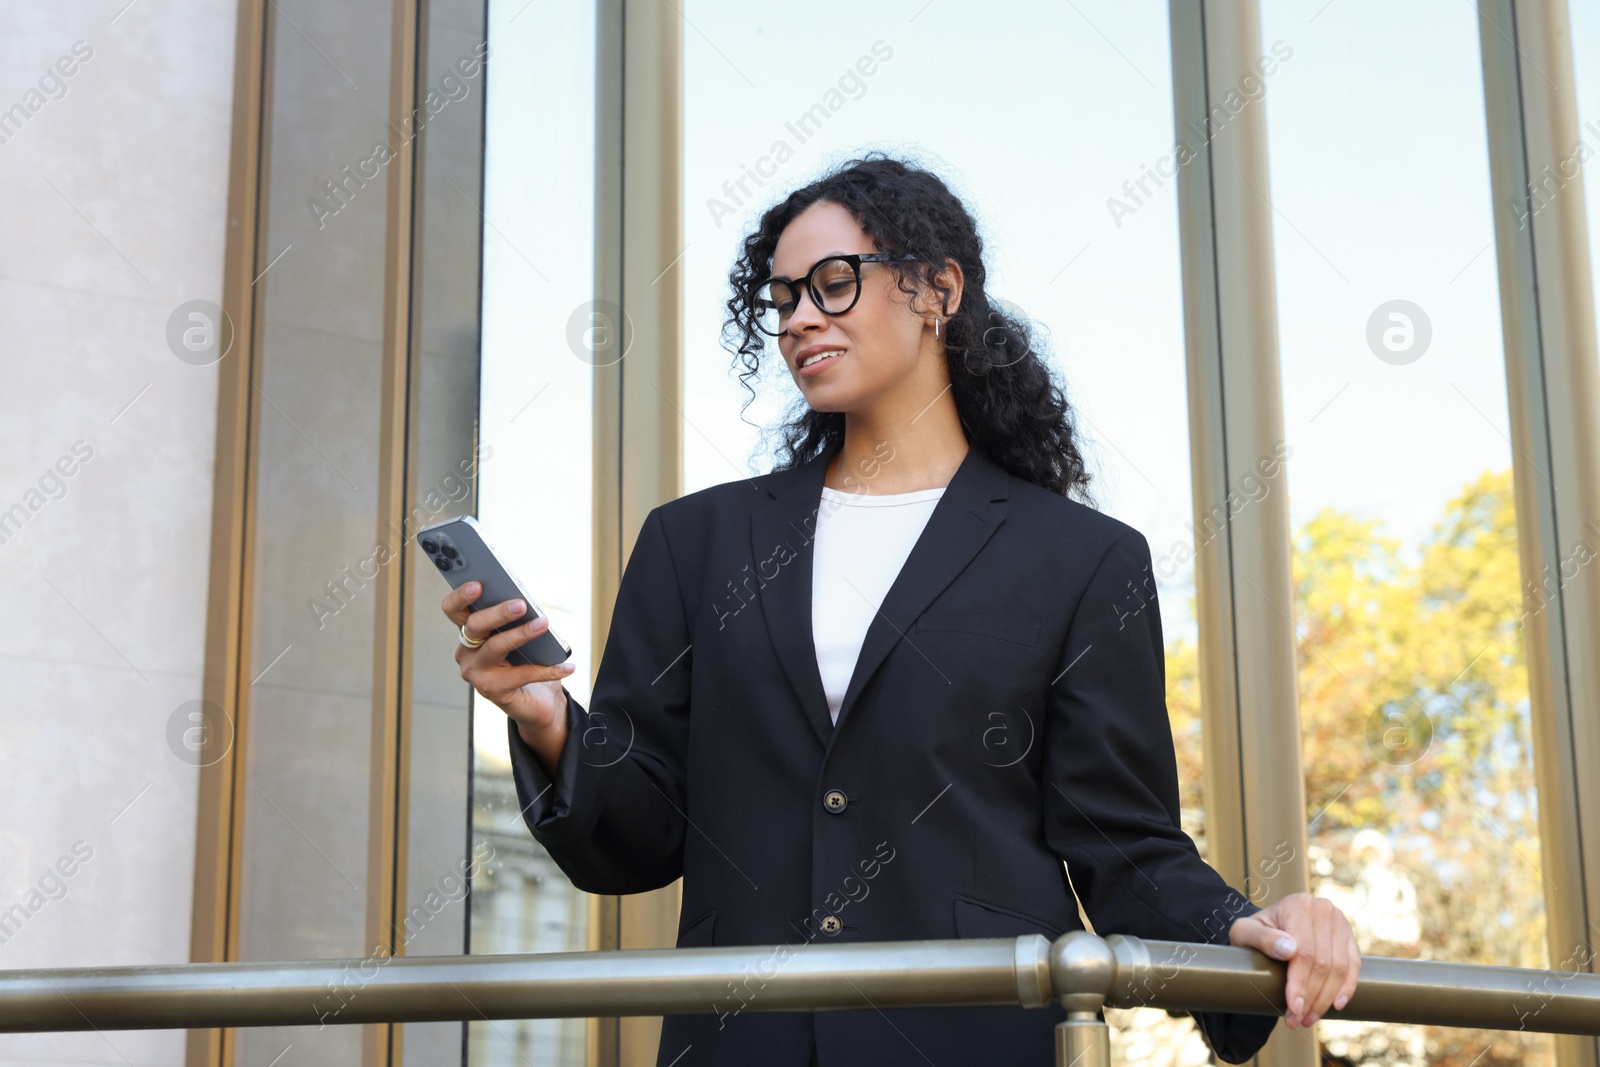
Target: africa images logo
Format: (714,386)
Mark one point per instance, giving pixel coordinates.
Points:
(803,127)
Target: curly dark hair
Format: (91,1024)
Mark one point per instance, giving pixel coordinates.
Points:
(1008,400)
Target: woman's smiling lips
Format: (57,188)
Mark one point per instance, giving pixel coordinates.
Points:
(828,352)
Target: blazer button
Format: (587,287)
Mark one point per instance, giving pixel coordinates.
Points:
(834,801)
(832,924)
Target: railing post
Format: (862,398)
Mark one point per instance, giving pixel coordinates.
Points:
(1082,967)
(1084,1040)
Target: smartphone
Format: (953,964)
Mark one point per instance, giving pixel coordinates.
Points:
(462,553)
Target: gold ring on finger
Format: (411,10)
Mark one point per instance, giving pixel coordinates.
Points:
(467,640)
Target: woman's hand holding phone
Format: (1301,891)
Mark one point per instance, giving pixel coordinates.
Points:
(531,695)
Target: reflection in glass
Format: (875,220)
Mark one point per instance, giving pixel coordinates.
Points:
(1079,223)
(304,851)
(534,481)
(443,460)
(1408,607)
(1586,63)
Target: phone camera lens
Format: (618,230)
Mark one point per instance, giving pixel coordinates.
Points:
(450,550)
(441,563)
(429,545)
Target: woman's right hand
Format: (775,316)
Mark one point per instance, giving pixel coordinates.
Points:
(531,695)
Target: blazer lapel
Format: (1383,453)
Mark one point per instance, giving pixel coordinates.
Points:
(782,529)
(782,532)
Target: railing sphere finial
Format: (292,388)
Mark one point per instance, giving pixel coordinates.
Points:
(1082,969)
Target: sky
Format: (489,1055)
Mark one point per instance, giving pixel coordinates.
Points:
(1036,115)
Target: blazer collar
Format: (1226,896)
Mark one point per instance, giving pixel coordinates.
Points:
(782,532)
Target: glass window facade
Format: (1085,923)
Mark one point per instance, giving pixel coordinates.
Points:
(1406,600)
(535,490)
(1420,789)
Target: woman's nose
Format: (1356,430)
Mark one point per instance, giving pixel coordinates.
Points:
(805,313)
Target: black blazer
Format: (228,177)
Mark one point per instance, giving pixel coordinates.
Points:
(1007,712)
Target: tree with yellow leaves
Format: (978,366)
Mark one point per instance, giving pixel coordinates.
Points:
(1414,723)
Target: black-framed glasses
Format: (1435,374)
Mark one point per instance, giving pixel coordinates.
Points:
(834,284)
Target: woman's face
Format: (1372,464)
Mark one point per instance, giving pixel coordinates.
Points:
(876,345)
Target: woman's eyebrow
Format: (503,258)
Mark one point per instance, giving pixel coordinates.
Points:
(829,255)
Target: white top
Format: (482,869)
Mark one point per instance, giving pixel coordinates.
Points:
(862,541)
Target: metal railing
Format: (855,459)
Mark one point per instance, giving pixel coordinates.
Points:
(1082,971)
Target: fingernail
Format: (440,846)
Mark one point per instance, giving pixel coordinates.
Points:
(1340,1002)
(516,607)
(471,588)
(1285,946)
(1299,1005)
(570,667)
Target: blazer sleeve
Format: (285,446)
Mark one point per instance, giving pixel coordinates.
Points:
(613,816)
(1111,789)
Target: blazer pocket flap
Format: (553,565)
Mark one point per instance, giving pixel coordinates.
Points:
(979,918)
(696,933)
(1014,628)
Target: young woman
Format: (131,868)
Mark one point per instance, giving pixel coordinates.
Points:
(895,689)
